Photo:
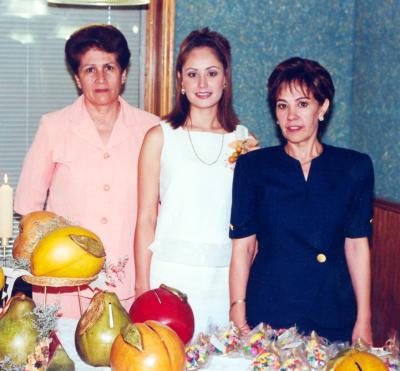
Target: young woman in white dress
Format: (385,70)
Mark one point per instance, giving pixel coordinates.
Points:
(185,180)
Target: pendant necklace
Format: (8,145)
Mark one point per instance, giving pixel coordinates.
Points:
(194,149)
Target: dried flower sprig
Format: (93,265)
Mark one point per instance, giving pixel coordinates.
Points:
(6,364)
(39,358)
(115,272)
(19,264)
(45,320)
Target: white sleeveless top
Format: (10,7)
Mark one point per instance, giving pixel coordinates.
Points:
(195,198)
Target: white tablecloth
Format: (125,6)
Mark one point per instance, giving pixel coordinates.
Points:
(66,332)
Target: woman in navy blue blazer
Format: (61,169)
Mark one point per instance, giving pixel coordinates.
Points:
(309,207)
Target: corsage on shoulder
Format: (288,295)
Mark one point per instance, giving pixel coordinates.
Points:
(241,147)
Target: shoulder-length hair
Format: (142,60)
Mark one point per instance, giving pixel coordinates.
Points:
(220,46)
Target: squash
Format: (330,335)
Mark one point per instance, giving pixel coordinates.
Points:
(70,252)
(149,346)
(32,227)
(356,360)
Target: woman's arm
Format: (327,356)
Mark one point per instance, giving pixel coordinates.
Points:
(243,252)
(148,198)
(358,261)
(37,172)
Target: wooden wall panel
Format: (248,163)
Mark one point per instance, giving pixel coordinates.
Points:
(385,270)
(159,76)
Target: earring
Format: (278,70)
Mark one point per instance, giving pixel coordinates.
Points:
(277,122)
(183,91)
(321,118)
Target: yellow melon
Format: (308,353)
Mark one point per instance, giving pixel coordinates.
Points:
(356,360)
(70,252)
(2,279)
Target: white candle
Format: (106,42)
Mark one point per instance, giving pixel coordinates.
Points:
(6,211)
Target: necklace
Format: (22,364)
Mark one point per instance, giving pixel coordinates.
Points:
(302,163)
(194,149)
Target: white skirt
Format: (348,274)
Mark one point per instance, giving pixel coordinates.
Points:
(207,289)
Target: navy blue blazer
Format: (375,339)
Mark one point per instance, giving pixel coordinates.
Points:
(300,271)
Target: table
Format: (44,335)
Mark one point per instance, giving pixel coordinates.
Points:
(66,332)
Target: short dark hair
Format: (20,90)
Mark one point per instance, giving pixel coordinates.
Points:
(307,73)
(222,49)
(100,36)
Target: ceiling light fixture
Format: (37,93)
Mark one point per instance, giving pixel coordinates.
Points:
(100,2)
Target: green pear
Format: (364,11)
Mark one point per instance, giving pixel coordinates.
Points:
(99,325)
(58,357)
(17,333)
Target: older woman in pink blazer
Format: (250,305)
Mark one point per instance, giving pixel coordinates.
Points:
(82,163)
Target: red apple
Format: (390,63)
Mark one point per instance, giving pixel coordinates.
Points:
(165,305)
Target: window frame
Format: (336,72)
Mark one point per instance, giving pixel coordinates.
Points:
(159,69)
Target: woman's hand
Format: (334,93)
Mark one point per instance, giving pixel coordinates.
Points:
(237,315)
(243,250)
(362,330)
(358,261)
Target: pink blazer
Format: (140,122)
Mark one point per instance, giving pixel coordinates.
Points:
(91,184)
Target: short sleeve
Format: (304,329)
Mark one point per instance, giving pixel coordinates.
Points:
(244,211)
(359,221)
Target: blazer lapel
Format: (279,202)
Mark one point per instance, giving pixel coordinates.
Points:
(123,128)
(83,125)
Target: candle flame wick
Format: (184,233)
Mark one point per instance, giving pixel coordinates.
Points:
(5,178)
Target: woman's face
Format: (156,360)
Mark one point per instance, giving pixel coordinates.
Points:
(297,112)
(100,77)
(203,78)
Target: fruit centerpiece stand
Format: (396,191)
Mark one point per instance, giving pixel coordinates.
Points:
(61,255)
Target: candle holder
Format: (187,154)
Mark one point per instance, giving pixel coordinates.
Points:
(6,213)
(4,244)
